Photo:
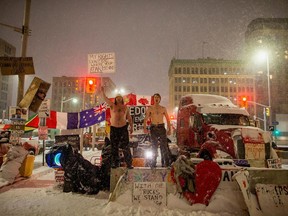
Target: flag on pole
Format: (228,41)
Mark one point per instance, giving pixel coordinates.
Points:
(57,120)
(92,116)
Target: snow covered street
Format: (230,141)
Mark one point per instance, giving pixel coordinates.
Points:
(40,195)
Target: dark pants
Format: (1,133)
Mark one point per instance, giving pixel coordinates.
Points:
(120,139)
(158,133)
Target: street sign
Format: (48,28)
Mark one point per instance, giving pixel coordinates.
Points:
(271,128)
(275,123)
(16,65)
(101,63)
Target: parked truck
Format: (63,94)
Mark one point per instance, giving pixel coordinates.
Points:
(214,127)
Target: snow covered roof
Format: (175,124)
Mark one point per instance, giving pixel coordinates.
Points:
(207,103)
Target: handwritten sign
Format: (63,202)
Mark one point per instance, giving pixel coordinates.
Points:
(101,63)
(274,163)
(43,132)
(149,193)
(16,65)
(44,109)
(273,198)
(254,151)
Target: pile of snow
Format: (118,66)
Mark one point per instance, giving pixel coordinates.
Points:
(46,201)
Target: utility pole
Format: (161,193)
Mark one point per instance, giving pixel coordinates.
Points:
(25,31)
(25,34)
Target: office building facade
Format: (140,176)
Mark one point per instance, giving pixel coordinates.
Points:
(271,36)
(6,50)
(227,78)
(65,89)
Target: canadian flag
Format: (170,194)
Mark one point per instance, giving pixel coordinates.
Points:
(144,100)
(137,100)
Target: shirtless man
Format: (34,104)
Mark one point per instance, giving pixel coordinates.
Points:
(119,130)
(156,113)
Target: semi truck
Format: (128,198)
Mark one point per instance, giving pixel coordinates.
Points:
(214,127)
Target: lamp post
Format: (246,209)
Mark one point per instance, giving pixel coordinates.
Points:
(265,55)
(74,100)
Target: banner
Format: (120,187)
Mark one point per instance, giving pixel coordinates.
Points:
(35,94)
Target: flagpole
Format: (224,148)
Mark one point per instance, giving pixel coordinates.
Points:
(43,123)
(83,107)
(94,126)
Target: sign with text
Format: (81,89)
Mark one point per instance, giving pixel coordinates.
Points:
(43,132)
(254,151)
(18,126)
(4,137)
(18,113)
(150,193)
(35,94)
(138,114)
(274,163)
(73,140)
(44,109)
(101,63)
(275,195)
(16,65)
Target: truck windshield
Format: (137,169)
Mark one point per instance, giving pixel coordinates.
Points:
(226,119)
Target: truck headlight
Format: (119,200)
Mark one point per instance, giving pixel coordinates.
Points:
(148,154)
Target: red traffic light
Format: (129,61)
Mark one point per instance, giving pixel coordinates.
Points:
(244,102)
(90,85)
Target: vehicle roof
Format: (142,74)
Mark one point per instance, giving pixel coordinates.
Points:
(207,103)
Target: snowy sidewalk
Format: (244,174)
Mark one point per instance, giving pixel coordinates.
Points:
(42,176)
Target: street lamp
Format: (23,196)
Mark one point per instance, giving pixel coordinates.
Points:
(119,91)
(265,55)
(74,100)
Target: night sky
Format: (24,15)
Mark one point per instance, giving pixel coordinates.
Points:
(144,34)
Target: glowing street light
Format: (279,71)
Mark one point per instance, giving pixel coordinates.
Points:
(74,100)
(263,55)
(120,91)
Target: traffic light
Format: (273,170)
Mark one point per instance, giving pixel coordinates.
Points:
(267,111)
(244,102)
(90,85)
(276,132)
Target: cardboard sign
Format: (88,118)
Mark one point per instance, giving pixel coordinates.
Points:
(18,125)
(44,109)
(4,137)
(43,132)
(16,65)
(18,113)
(274,163)
(101,63)
(254,151)
(35,94)
(273,198)
(149,193)
(73,140)
(59,175)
